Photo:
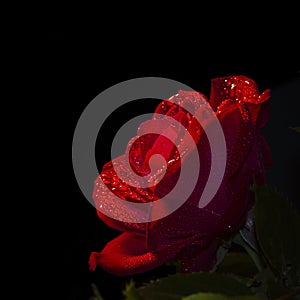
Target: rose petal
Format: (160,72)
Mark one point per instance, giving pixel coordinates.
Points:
(127,254)
(109,179)
(235,88)
(244,90)
(238,132)
(199,258)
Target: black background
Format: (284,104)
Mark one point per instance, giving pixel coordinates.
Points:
(81,64)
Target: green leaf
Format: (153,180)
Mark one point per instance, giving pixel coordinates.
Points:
(296,129)
(277,229)
(265,284)
(210,296)
(238,263)
(248,231)
(130,292)
(176,286)
(96,293)
(222,252)
(255,255)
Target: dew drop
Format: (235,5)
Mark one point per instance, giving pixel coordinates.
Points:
(227,82)
(106,181)
(122,187)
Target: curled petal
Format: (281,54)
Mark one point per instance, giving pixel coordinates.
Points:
(243,90)
(235,88)
(107,186)
(127,254)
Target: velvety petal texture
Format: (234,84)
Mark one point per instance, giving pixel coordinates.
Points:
(190,233)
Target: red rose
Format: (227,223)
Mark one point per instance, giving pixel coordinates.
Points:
(191,234)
